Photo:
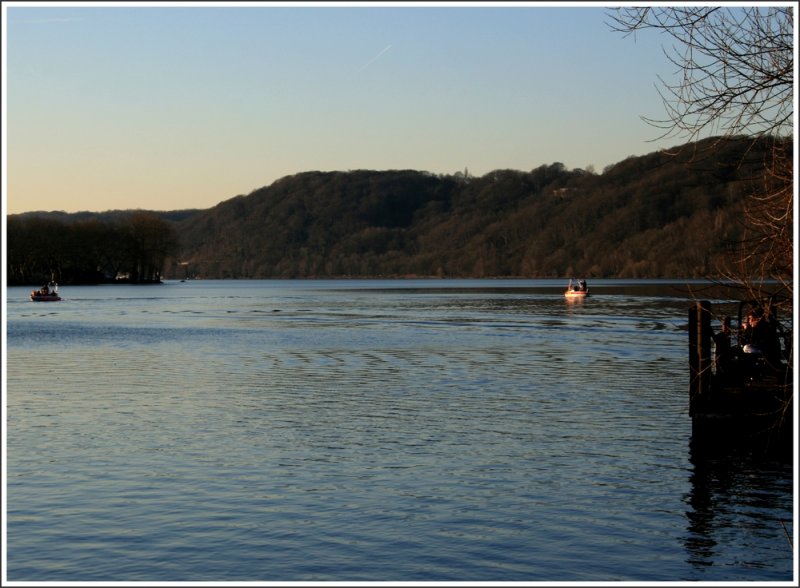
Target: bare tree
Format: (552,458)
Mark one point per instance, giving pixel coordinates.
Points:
(735,64)
(735,76)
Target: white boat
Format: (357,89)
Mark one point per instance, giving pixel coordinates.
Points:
(577,289)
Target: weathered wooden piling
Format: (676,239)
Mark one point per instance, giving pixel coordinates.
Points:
(700,335)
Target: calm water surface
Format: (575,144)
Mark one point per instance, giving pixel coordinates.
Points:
(372,431)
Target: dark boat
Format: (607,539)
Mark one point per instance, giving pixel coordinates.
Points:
(47,293)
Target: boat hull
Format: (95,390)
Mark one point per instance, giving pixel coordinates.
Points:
(40,298)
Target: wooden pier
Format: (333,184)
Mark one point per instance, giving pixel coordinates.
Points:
(738,397)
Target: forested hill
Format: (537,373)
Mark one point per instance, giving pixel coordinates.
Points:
(659,215)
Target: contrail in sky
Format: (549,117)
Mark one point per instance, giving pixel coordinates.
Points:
(374,59)
(45,20)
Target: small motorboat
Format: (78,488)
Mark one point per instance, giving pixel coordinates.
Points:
(577,289)
(48,293)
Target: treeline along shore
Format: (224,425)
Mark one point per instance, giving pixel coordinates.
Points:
(672,213)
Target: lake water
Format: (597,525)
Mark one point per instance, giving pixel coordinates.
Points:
(367,430)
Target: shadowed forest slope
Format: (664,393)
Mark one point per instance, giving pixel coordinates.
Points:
(660,215)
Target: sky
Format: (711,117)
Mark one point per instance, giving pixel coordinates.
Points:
(166,107)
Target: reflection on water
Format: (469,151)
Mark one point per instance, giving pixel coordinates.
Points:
(737,499)
(371,430)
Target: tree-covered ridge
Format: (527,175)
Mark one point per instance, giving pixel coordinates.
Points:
(661,215)
(666,214)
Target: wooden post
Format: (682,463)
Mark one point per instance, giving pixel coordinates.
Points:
(699,352)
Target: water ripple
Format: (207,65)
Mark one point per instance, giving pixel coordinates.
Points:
(313,434)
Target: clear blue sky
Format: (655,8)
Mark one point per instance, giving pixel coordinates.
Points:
(157,107)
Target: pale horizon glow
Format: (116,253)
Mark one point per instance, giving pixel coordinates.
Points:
(164,106)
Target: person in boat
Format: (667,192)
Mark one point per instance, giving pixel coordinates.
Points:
(582,285)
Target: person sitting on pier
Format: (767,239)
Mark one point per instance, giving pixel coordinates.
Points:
(760,336)
(722,345)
